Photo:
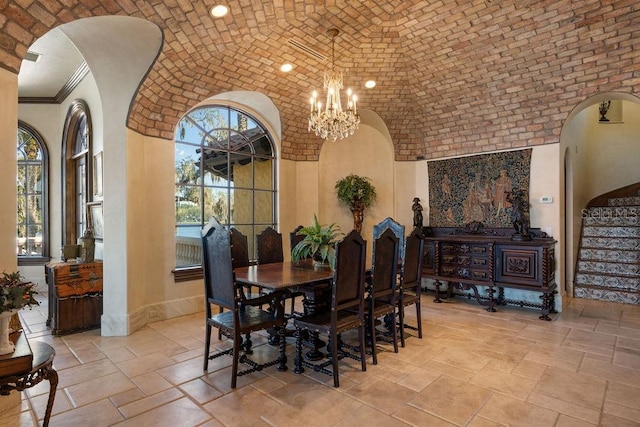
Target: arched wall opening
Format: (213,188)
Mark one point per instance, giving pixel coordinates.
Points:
(598,157)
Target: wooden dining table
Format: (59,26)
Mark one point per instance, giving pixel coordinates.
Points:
(303,276)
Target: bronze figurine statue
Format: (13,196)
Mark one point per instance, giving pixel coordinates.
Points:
(417,213)
(519,214)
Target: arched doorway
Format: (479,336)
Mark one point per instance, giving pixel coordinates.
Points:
(598,157)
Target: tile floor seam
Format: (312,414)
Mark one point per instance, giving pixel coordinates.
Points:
(432,413)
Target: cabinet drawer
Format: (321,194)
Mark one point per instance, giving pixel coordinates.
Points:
(480,262)
(479,249)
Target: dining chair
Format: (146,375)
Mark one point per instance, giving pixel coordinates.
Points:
(240,257)
(383,295)
(411,282)
(398,231)
(294,239)
(239,248)
(346,310)
(269,251)
(269,246)
(240,316)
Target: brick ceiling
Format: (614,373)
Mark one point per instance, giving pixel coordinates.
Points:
(453,76)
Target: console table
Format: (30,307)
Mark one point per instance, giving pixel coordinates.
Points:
(465,258)
(28,365)
(75,295)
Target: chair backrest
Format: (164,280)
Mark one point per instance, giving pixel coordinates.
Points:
(385,265)
(412,276)
(269,246)
(398,231)
(348,279)
(239,249)
(217,266)
(295,238)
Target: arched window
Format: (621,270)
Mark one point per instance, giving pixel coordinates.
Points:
(32,237)
(224,166)
(76,171)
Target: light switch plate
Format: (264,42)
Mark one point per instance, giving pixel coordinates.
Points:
(546,199)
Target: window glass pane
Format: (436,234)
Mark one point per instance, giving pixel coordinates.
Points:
(187,164)
(22,178)
(242,207)
(216,167)
(34,209)
(81,136)
(34,178)
(21,239)
(241,170)
(34,240)
(263,208)
(216,204)
(188,245)
(81,195)
(188,206)
(22,209)
(262,147)
(263,174)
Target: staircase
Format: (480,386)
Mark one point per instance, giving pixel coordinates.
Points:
(608,266)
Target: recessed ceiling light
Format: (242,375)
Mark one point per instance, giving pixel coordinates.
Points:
(370,84)
(219,11)
(285,68)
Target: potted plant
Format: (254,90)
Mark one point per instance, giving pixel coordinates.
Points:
(318,243)
(357,193)
(15,293)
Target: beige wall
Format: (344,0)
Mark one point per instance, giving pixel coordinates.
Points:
(612,150)
(8,169)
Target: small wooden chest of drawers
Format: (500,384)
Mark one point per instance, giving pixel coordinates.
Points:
(75,296)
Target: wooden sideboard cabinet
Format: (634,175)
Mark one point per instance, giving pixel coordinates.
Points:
(467,258)
(75,296)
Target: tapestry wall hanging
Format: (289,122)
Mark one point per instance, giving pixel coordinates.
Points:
(474,188)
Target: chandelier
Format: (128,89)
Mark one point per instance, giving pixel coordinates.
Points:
(333,121)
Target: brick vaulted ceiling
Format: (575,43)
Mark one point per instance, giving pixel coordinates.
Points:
(453,76)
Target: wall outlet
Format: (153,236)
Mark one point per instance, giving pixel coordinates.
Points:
(546,199)
(153,313)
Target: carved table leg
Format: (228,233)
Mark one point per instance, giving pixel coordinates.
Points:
(315,299)
(282,360)
(297,359)
(52,376)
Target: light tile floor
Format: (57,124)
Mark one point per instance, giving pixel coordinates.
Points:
(472,368)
